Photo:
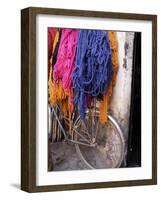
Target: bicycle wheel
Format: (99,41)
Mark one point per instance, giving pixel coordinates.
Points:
(107,142)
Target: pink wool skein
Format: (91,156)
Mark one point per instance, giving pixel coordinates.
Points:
(65,63)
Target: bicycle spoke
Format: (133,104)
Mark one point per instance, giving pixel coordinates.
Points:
(96,130)
(108,146)
(81,135)
(81,143)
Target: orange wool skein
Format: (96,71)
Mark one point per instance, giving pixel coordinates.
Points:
(56,91)
(104,104)
(57,94)
(50,83)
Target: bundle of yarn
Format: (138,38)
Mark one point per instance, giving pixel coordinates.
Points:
(82,68)
(93,71)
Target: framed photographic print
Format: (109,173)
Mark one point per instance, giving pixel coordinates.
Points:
(88,99)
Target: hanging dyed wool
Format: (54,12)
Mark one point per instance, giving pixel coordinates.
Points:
(50,82)
(51,35)
(63,70)
(55,52)
(104,104)
(93,71)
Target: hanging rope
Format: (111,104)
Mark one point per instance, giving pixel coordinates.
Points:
(93,71)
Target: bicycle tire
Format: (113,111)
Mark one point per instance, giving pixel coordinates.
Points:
(82,153)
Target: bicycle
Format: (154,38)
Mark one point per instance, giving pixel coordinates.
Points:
(98,146)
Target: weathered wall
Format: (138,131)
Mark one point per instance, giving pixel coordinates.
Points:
(120,102)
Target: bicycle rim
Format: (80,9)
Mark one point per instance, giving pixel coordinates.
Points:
(91,156)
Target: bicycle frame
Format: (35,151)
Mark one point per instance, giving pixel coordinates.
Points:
(91,134)
(66,135)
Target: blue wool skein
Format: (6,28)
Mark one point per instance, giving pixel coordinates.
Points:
(93,71)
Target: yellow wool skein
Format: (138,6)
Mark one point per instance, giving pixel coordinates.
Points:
(104,104)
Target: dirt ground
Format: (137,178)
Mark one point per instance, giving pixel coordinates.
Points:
(64,157)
